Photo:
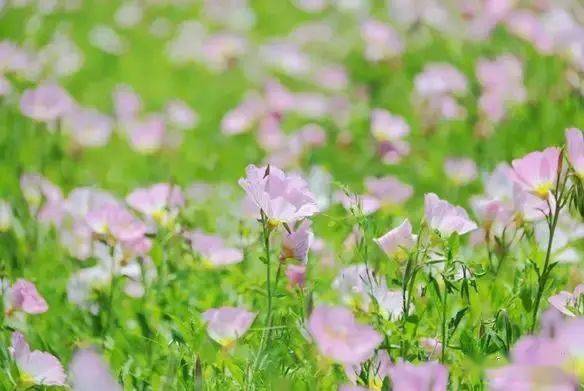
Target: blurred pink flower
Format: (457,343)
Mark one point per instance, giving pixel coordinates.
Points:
(432,346)
(428,376)
(460,170)
(339,337)
(36,367)
(537,172)
(227,324)
(88,127)
(397,240)
(378,370)
(295,245)
(115,220)
(47,102)
(388,127)
(283,198)
(575,149)
(180,115)
(127,103)
(147,135)
(389,190)
(213,249)
(566,302)
(527,377)
(89,372)
(244,116)
(439,79)
(446,218)
(296,275)
(381,41)
(23,296)
(160,201)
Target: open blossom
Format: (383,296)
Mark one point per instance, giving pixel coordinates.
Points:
(381,41)
(397,240)
(180,115)
(446,218)
(355,285)
(214,250)
(23,296)
(340,337)
(147,135)
(295,245)
(460,170)
(537,171)
(115,220)
(429,376)
(160,201)
(388,127)
(89,372)
(127,103)
(388,190)
(283,198)
(567,302)
(88,127)
(575,149)
(36,367)
(226,324)
(48,102)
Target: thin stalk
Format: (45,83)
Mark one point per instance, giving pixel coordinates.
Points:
(445,296)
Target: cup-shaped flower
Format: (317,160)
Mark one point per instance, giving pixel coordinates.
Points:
(460,170)
(282,198)
(340,337)
(446,218)
(48,102)
(296,244)
(429,376)
(88,127)
(23,296)
(36,367)
(575,149)
(567,302)
(397,241)
(115,220)
(226,324)
(160,201)
(213,249)
(389,190)
(537,172)
(89,372)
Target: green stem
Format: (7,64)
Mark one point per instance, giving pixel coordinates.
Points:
(442,357)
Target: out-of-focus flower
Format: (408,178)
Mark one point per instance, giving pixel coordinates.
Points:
(234,14)
(214,250)
(388,127)
(388,190)
(527,377)
(40,194)
(127,103)
(23,296)
(115,220)
(5,86)
(282,198)
(295,245)
(397,241)
(378,370)
(161,201)
(365,203)
(296,275)
(88,127)
(340,337)
(227,324)
(332,77)
(36,367)
(89,372)
(446,218)
(311,5)
(180,115)
(147,135)
(429,376)
(460,170)
(537,172)
(575,148)
(432,346)
(286,57)
(6,216)
(242,118)
(567,302)
(107,40)
(129,14)
(219,51)
(47,102)
(381,41)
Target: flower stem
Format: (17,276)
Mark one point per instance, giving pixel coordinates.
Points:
(444,298)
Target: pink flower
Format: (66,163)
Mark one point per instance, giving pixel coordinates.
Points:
(381,41)
(180,115)
(440,79)
(446,218)
(429,376)
(389,190)
(115,220)
(356,285)
(226,324)
(295,245)
(23,296)
(241,118)
(126,102)
(388,127)
(88,127)
(566,302)
(213,249)
(537,171)
(397,240)
(460,170)
(282,198)
(338,336)
(48,102)
(160,201)
(527,377)
(575,149)
(432,346)
(378,370)
(89,372)
(366,203)
(296,275)
(36,367)
(147,136)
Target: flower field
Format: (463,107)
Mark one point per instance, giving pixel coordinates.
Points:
(292,195)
